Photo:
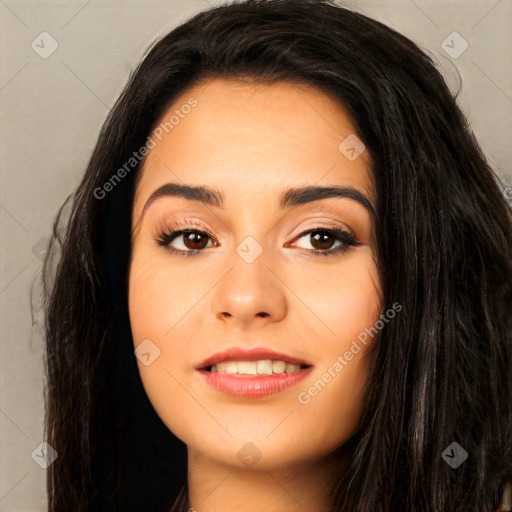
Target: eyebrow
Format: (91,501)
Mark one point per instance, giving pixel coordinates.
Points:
(288,198)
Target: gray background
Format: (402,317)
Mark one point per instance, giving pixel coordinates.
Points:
(51,113)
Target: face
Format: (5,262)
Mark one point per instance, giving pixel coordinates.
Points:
(291,275)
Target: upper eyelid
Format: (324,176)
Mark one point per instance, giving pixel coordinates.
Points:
(334,226)
(192,226)
(197,224)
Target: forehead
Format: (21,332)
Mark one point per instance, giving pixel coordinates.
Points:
(248,139)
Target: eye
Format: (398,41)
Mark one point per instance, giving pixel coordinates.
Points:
(324,241)
(190,241)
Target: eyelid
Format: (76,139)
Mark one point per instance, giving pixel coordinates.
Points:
(189,222)
(183,224)
(327,224)
(345,235)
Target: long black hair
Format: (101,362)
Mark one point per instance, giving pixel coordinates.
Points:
(442,369)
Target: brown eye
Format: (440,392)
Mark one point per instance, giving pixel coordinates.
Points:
(322,240)
(327,242)
(193,240)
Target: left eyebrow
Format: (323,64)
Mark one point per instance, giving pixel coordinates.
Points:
(288,198)
(303,195)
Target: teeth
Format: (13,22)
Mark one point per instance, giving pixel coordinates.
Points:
(261,367)
(264,367)
(278,366)
(289,368)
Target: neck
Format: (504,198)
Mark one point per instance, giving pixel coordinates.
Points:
(215,486)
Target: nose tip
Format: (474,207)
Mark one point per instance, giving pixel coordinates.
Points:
(249,293)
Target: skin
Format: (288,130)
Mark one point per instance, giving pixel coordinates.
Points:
(191,307)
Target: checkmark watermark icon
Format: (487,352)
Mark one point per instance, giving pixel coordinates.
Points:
(44,454)
(249,455)
(44,45)
(454,455)
(249,249)
(454,45)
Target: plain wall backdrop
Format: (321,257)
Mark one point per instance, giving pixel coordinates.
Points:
(64,63)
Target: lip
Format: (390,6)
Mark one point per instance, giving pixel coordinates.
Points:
(250,354)
(253,386)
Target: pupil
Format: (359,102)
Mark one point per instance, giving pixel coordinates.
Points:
(190,238)
(322,241)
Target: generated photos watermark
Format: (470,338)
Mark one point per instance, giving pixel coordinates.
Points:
(305,397)
(137,156)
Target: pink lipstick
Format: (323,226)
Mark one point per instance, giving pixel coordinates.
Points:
(254,372)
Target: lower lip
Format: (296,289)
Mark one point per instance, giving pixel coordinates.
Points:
(253,386)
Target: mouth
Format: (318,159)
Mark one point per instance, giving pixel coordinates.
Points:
(253,372)
(252,361)
(259,367)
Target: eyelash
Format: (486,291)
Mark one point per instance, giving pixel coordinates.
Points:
(167,235)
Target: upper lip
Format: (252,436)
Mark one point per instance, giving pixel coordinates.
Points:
(250,354)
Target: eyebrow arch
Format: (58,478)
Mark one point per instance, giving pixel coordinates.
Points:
(288,198)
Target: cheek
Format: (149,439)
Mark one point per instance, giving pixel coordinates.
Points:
(332,403)
(359,306)
(347,300)
(349,304)
(143,299)
(159,295)
(157,299)
(165,307)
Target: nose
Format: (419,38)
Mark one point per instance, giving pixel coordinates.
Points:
(249,293)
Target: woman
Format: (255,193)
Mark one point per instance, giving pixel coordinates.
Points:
(252,142)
